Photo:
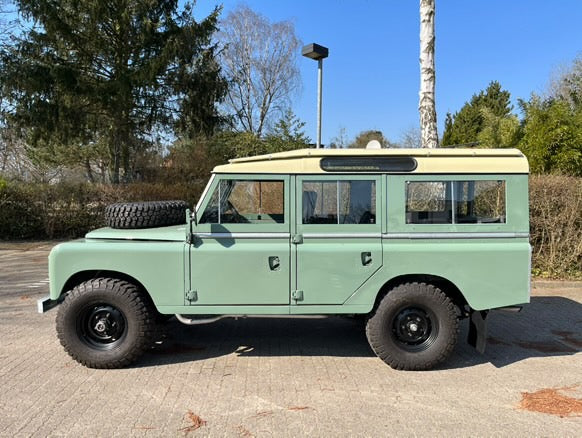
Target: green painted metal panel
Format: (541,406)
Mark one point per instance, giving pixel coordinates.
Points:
(490,273)
(157,265)
(265,310)
(175,233)
(330,270)
(232,271)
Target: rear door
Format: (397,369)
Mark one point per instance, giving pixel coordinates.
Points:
(338,236)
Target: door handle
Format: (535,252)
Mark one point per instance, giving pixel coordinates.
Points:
(366,258)
(274,263)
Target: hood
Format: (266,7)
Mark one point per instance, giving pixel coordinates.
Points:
(175,233)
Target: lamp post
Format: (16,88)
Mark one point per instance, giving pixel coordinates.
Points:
(318,53)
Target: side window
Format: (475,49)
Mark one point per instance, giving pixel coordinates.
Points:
(480,202)
(245,201)
(428,203)
(339,202)
(455,202)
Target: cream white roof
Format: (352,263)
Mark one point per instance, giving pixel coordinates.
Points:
(440,160)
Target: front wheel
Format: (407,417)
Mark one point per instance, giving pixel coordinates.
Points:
(414,327)
(105,323)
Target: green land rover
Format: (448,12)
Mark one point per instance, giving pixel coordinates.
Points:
(413,240)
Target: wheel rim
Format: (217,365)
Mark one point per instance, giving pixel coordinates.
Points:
(101,326)
(414,328)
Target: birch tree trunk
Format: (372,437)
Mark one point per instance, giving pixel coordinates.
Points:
(426,104)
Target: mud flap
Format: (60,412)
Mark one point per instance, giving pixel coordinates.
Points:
(478,330)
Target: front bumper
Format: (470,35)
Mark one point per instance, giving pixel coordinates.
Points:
(45,304)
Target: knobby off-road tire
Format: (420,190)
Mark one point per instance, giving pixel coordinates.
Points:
(414,327)
(105,323)
(135,215)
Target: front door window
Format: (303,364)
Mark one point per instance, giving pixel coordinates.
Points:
(246,201)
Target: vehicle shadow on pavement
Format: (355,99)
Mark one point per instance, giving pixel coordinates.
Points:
(304,336)
(548,326)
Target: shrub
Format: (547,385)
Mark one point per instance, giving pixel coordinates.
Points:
(556,225)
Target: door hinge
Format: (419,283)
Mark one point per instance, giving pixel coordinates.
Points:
(297,295)
(192,296)
(297,238)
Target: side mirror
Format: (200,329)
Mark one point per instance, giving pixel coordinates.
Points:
(191,217)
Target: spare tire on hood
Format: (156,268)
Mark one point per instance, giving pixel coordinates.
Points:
(134,215)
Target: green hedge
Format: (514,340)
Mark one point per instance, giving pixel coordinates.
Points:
(42,211)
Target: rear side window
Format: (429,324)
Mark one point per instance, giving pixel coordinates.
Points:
(455,202)
(339,202)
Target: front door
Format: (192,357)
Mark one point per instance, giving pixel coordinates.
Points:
(338,236)
(240,253)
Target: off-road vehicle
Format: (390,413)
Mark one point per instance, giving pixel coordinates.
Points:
(414,240)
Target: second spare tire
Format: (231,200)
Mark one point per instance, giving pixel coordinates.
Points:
(135,215)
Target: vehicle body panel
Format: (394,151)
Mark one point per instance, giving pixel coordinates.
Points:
(237,271)
(157,265)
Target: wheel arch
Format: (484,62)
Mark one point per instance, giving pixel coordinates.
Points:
(82,276)
(447,286)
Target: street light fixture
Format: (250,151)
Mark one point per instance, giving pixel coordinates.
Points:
(317,53)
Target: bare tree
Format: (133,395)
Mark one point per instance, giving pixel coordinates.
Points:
(566,83)
(16,161)
(259,60)
(411,138)
(426,105)
(340,141)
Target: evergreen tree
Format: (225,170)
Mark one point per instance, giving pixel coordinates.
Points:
(289,129)
(552,137)
(448,132)
(491,105)
(115,75)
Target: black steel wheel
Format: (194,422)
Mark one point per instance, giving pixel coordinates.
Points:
(102,326)
(105,323)
(414,327)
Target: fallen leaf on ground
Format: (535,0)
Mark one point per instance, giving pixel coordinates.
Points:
(551,401)
(196,421)
(262,414)
(243,431)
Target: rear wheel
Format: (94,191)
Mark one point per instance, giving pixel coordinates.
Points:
(414,327)
(105,323)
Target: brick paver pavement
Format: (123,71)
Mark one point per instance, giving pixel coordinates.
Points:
(281,377)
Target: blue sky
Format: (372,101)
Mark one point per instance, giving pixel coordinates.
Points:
(371,77)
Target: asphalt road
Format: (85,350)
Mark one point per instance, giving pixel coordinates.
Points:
(287,377)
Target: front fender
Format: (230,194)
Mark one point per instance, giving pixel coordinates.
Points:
(158,265)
